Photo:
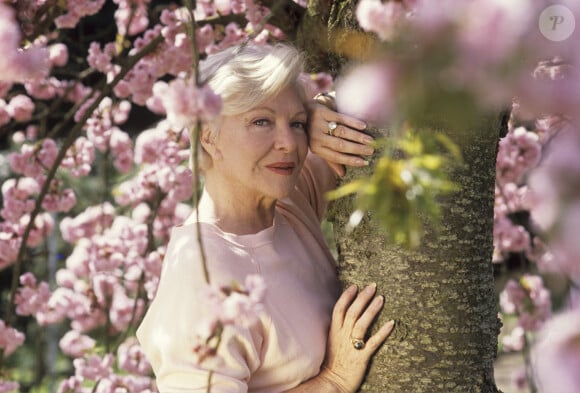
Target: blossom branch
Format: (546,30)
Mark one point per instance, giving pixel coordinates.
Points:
(74,133)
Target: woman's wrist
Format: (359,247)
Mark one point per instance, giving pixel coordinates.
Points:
(333,380)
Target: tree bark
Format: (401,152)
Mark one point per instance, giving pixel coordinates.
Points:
(442,294)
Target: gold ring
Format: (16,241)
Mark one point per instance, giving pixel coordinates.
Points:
(331,127)
(357,343)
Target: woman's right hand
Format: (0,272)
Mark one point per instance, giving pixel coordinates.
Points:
(353,314)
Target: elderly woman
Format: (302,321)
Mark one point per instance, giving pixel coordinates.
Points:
(260,213)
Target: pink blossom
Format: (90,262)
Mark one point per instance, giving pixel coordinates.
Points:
(79,157)
(205,37)
(565,244)
(518,152)
(18,197)
(122,150)
(17,64)
(31,297)
(93,220)
(59,201)
(162,144)
(71,384)
(233,306)
(130,357)
(556,354)
(10,338)
(515,340)
(44,89)
(131,16)
(185,103)
(4,113)
(316,83)
(21,107)
(366,92)
(58,54)
(10,242)
(33,160)
(93,367)
(75,344)
(529,300)
(101,59)
(76,10)
(508,237)
(9,386)
(5,87)
(233,35)
(381,18)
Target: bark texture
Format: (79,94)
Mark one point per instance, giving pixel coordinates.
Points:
(441,294)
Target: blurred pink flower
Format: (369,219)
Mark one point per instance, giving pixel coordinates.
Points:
(76,10)
(185,103)
(31,298)
(10,338)
(383,18)
(79,157)
(21,107)
(518,152)
(58,54)
(529,300)
(9,386)
(93,220)
(75,344)
(556,354)
(367,93)
(131,16)
(130,357)
(93,367)
(17,64)
(508,237)
(515,340)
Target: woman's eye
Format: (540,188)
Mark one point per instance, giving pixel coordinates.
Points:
(261,122)
(299,125)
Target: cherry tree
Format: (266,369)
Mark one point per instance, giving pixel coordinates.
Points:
(79,164)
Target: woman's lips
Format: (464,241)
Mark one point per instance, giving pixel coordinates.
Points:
(282,168)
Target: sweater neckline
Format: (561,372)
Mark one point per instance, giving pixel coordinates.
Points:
(252,240)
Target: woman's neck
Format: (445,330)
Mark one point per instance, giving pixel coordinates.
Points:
(233,214)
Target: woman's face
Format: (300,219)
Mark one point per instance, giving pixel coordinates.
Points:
(259,154)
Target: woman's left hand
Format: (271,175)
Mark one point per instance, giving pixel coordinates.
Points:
(338,138)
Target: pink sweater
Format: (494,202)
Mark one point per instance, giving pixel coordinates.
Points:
(287,345)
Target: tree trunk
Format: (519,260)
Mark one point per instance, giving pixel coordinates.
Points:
(441,294)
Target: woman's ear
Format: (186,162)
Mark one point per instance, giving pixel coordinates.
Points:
(208,142)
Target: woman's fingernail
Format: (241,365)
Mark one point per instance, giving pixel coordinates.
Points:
(390,324)
(371,288)
(352,288)
(368,140)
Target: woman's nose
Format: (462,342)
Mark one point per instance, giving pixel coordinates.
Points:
(286,138)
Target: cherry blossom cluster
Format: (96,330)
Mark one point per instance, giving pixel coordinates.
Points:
(233,305)
(480,67)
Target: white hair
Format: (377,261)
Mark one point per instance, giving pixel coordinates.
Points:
(246,76)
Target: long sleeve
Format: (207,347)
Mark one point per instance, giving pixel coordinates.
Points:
(167,333)
(315,180)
